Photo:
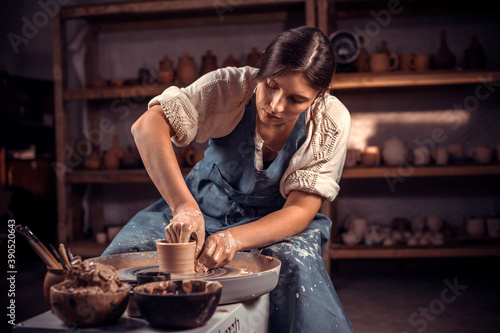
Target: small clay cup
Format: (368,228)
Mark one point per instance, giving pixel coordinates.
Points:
(176,258)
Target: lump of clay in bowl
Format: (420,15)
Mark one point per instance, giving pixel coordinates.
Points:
(91,295)
(178,304)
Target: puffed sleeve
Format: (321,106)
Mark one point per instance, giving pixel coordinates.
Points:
(317,166)
(211,107)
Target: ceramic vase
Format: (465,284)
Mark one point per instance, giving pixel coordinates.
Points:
(166,72)
(444,59)
(253,58)
(474,55)
(186,70)
(394,151)
(208,63)
(113,157)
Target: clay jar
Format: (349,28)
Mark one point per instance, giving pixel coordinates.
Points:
(481,154)
(443,59)
(52,277)
(93,161)
(208,63)
(166,71)
(362,62)
(253,58)
(407,61)
(113,156)
(186,70)
(176,258)
(231,62)
(475,227)
(394,151)
(371,156)
(383,62)
(422,62)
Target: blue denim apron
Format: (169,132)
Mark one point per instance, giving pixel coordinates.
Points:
(230,191)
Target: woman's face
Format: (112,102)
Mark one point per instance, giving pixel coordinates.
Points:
(282,99)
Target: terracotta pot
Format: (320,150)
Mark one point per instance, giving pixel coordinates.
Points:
(113,157)
(253,58)
(166,72)
(407,61)
(52,277)
(93,161)
(231,62)
(474,55)
(208,63)
(186,70)
(383,62)
(362,62)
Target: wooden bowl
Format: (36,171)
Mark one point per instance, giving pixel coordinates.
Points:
(178,304)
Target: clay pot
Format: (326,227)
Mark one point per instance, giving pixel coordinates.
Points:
(52,277)
(383,62)
(481,154)
(441,155)
(112,158)
(253,58)
(166,72)
(93,161)
(422,62)
(176,258)
(131,158)
(444,59)
(186,70)
(208,63)
(394,151)
(407,61)
(474,55)
(475,227)
(371,156)
(362,62)
(231,62)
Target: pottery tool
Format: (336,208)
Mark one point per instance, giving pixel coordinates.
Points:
(58,256)
(44,248)
(62,251)
(46,257)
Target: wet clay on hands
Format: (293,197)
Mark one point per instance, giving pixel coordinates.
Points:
(184,225)
(219,250)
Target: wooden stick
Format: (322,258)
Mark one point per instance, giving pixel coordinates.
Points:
(62,251)
(44,249)
(41,253)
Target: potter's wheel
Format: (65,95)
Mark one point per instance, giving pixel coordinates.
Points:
(246,277)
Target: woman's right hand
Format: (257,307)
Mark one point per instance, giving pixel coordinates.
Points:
(183,225)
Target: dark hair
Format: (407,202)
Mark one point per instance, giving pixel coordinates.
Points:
(305,50)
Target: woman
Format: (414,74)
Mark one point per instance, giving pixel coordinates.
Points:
(277,143)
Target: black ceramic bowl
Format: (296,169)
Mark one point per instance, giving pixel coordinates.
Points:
(178,304)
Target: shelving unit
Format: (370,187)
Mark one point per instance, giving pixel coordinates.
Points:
(330,12)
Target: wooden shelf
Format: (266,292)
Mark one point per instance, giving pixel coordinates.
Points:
(390,252)
(114,92)
(111,176)
(423,171)
(411,79)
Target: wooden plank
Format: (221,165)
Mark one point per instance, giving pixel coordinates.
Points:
(231,18)
(400,79)
(154,7)
(59,68)
(114,92)
(424,171)
(381,252)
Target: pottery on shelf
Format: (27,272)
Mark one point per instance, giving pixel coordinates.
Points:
(474,55)
(186,70)
(166,73)
(362,62)
(231,62)
(208,63)
(93,161)
(131,158)
(113,157)
(253,58)
(444,59)
(394,151)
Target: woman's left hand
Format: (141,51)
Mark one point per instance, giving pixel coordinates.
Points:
(219,249)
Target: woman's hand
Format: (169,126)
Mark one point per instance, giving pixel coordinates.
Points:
(185,224)
(219,249)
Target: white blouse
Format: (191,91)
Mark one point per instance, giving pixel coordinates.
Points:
(213,106)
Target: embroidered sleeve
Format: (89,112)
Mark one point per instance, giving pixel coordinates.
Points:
(317,166)
(210,107)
